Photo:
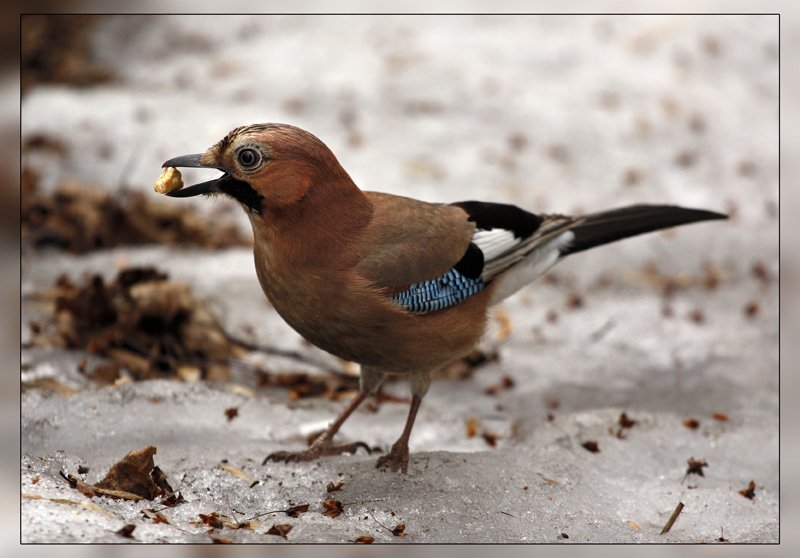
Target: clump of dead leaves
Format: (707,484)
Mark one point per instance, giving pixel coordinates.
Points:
(80,219)
(135,477)
(141,321)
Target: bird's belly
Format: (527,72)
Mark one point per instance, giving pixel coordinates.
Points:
(362,326)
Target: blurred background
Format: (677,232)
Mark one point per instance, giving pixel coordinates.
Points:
(560,113)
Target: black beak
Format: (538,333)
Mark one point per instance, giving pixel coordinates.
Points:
(193,161)
(225,184)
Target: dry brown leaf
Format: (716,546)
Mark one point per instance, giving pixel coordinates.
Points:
(240,390)
(247,525)
(507,382)
(399,530)
(364,539)
(333,508)
(173,500)
(591,445)
(231,413)
(280,530)
(212,520)
(92,491)
(155,517)
(49,384)
(691,423)
(696,467)
(472,426)
(294,511)
(237,473)
(548,481)
(126,531)
(490,438)
(334,487)
(132,474)
(750,491)
(625,422)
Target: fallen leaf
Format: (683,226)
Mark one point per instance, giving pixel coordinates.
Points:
(399,530)
(49,384)
(155,517)
(280,530)
(237,473)
(335,487)
(695,467)
(294,511)
(490,437)
(240,390)
(212,520)
(472,426)
(750,491)
(722,417)
(691,423)
(174,500)
(625,422)
(248,525)
(633,524)
(507,382)
(364,539)
(126,531)
(132,475)
(92,491)
(591,446)
(333,508)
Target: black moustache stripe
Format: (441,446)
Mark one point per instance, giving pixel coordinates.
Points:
(243,192)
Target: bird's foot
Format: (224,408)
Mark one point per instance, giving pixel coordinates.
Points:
(396,459)
(321,447)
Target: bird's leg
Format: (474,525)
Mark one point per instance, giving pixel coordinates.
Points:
(323,445)
(397,458)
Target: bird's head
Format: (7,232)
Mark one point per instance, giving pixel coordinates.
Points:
(266,167)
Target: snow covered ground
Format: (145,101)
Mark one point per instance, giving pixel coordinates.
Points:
(552,113)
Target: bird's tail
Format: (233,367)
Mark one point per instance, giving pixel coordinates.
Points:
(608,226)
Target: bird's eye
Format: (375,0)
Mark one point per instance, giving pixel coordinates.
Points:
(248,157)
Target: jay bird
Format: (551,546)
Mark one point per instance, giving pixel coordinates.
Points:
(398,285)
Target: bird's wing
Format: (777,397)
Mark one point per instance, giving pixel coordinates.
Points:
(506,234)
(409,241)
(432,256)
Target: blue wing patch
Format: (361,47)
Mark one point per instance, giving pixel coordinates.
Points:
(444,292)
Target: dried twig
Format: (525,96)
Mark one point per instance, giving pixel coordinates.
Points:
(294,355)
(672,518)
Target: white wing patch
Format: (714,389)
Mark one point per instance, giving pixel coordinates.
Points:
(535,264)
(495,242)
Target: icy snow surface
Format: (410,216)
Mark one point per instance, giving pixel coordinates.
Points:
(552,113)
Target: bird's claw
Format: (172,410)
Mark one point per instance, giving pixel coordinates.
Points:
(396,459)
(315,452)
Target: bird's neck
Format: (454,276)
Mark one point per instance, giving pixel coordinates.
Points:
(317,230)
